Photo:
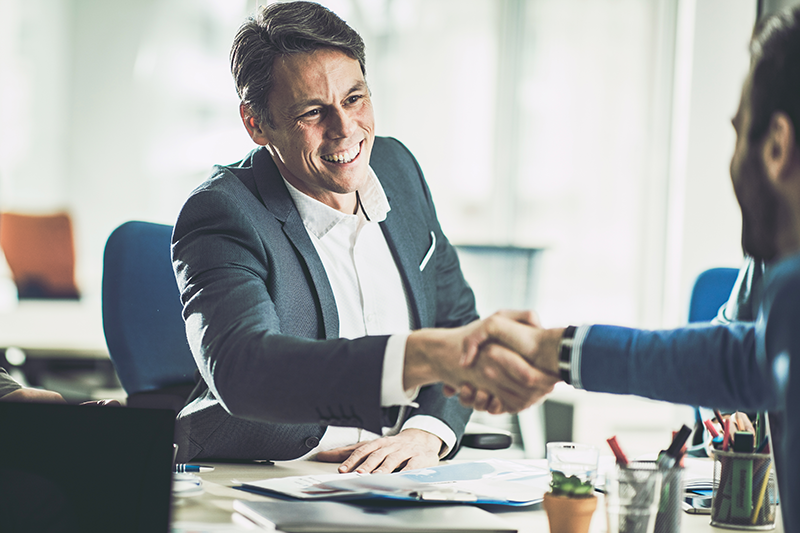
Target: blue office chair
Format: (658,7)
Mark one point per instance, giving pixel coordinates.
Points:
(711,290)
(142,318)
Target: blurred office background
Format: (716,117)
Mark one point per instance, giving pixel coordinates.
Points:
(595,131)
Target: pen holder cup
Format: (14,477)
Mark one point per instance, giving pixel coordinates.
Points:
(632,498)
(670,511)
(745,492)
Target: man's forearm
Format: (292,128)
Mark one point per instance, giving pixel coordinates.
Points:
(427,352)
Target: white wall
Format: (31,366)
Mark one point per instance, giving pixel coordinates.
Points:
(114,110)
(34,75)
(152,108)
(704,222)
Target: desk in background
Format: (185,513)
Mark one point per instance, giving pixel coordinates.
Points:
(55,328)
(215,505)
(59,335)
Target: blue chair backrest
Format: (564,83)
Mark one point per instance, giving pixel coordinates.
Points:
(711,289)
(142,319)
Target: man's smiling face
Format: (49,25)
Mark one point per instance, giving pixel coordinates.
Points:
(324,125)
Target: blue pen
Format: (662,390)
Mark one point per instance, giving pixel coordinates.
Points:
(192,468)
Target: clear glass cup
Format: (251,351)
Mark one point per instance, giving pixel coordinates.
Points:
(573,459)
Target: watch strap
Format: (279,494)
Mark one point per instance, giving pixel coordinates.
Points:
(565,353)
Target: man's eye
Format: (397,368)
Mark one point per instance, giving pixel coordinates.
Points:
(355,98)
(311,114)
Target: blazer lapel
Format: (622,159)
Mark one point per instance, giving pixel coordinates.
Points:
(399,238)
(404,242)
(278,201)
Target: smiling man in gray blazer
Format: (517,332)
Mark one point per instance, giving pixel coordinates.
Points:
(304,267)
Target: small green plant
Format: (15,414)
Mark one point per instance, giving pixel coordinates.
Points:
(571,487)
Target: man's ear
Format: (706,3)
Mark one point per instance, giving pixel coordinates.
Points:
(253,125)
(779,151)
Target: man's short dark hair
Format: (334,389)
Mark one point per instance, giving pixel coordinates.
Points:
(775,72)
(282,29)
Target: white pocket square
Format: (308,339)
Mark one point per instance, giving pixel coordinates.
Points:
(429,254)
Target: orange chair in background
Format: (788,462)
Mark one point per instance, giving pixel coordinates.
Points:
(40,252)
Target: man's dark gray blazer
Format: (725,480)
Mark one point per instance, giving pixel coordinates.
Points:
(261,318)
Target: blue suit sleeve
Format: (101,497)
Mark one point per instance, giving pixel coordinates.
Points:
(711,365)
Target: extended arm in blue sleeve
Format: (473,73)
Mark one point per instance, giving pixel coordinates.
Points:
(711,365)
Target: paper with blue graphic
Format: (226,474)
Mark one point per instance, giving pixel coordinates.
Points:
(491,481)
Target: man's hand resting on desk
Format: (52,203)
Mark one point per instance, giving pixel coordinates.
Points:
(502,334)
(408,450)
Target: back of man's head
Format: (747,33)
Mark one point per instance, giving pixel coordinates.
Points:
(775,72)
(282,29)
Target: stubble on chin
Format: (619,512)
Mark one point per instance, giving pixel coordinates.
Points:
(760,207)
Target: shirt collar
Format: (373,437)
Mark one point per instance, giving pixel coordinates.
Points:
(320,218)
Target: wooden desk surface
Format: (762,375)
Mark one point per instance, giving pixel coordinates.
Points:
(215,505)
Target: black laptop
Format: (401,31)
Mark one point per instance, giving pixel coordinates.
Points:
(75,468)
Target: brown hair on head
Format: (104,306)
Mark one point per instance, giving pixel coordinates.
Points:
(774,72)
(281,29)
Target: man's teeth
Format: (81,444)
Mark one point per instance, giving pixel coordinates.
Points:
(343,157)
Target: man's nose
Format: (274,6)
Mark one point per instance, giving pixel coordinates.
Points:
(341,123)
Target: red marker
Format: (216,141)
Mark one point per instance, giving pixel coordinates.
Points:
(711,428)
(727,435)
(618,453)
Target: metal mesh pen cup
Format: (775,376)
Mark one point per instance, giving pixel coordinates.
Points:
(745,492)
(632,498)
(668,519)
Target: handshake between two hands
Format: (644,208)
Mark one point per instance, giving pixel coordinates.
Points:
(504,363)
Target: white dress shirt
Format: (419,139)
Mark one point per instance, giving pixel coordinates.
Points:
(370,299)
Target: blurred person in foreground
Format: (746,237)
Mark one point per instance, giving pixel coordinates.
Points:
(748,366)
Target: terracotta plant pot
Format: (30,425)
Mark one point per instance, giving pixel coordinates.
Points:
(569,515)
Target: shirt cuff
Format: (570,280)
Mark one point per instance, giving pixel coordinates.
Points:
(392,392)
(433,425)
(575,358)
